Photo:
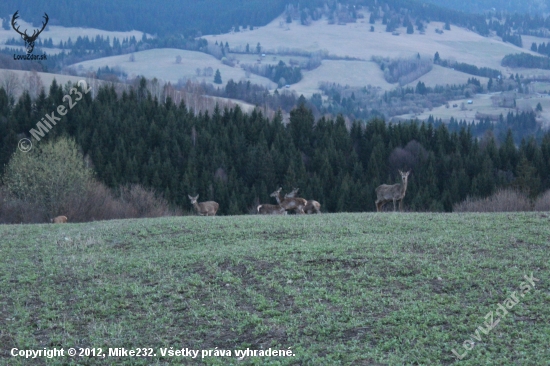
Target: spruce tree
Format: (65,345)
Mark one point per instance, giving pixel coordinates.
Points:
(217,77)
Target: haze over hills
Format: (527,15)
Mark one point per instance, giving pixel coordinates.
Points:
(534,7)
(352,57)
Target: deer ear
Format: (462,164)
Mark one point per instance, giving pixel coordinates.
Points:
(190,197)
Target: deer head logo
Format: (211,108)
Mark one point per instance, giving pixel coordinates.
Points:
(29,40)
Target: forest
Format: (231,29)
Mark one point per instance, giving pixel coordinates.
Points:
(238,159)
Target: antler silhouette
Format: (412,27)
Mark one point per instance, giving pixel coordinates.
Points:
(13,22)
(29,40)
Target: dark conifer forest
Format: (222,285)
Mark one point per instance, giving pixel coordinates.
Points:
(238,159)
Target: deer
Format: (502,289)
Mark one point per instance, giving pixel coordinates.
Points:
(290,203)
(29,40)
(311,207)
(59,220)
(208,208)
(396,192)
(267,209)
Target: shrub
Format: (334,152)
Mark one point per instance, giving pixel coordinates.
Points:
(543,202)
(146,203)
(507,200)
(46,175)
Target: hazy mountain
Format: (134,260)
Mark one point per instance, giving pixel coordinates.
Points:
(168,17)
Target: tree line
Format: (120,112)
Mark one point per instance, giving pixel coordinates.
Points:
(174,17)
(237,159)
(526,60)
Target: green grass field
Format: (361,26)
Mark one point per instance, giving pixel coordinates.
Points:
(337,289)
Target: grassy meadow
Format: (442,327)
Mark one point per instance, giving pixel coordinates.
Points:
(337,289)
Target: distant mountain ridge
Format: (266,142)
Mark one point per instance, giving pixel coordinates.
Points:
(533,7)
(170,17)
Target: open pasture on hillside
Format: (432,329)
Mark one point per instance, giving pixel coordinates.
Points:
(351,73)
(356,41)
(161,64)
(482,105)
(335,289)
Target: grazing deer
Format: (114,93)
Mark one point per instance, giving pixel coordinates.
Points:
(267,209)
(396,192)
(59,220)
(208,208)
(290,203)
(311,206)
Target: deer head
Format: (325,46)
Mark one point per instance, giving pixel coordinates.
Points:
(277,195)
(193,199)
(404,176)
(29,40)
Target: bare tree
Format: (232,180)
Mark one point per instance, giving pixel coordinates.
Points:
(11,84)
(33,83)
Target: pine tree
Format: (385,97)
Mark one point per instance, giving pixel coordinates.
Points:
(218,77)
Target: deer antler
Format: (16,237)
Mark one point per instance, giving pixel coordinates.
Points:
(13,22)
(25,35)
(34,33)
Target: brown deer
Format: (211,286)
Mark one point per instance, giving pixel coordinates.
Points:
(396,192)
(59,220)
(267,209)
(291,203)
(311,207)
(208,208)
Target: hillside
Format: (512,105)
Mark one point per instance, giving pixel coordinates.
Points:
(161,63)
(332,57)
(173,17)
(354,40)
(333,288)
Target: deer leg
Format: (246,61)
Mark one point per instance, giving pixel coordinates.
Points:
(393,205)
(401,205)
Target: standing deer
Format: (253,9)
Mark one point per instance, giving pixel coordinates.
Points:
(208,208)
(311,206)
(267,209)
(59,220)
(396,192)
(289,203)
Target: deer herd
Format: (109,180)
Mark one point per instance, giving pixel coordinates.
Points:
(289,202)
